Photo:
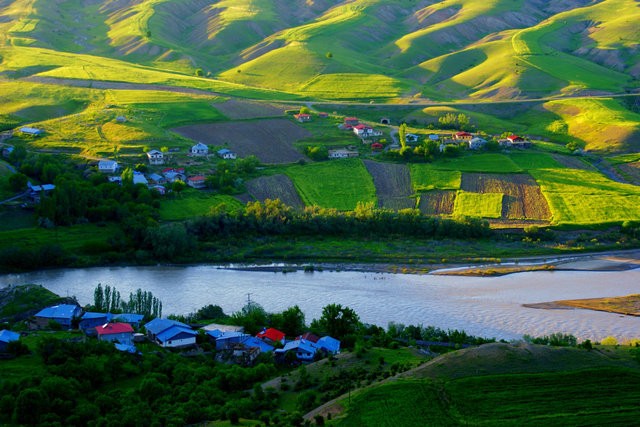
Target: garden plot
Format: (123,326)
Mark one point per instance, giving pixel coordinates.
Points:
(572,162)
(522,196)
(275,187)
(393,184)
(271,141)
(437,202)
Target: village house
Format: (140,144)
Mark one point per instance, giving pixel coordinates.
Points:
(351,121)
(224,340)
(304,351)
(6,337)
(156,178)
(376,146)
(462,136)
(90,320)
(170,333)
(364,131)
(156,157)
(107,166)
(63,314)
(518,142)
(200,149)
(411,138)
(227,154)
(302,117)
(115,332)
(342,153)
(271,336)
(329,344)
(477,143)
(139,178)
(174,174)
(36,191)
(130,318)
(197,181)
(323,115)
(31,131)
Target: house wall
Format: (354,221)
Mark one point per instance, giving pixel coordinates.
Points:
(180,342)
(122,338)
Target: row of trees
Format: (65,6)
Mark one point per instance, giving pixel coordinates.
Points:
(108,299)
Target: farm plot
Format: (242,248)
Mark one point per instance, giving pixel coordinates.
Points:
(393,184)
(425,178)
(271,141)
(572,162)
(631,171)
(275,187)
(437,202)
(479,205)
(522,196)
(239,110)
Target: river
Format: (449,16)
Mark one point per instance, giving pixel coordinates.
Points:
(490,307)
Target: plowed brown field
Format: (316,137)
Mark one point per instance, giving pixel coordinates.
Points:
(522,196)
(238,110)
(393,184)
(275,187)
(438,202)
(572,162)
(271,141)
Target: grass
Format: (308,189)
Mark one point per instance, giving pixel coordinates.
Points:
(481,205)
(425,178)
(27,297)
(74,239)
(490,163)
(354,86)
(529,160)
(587,197)
(564,398)
(194,203)
(339,184)
(628,305)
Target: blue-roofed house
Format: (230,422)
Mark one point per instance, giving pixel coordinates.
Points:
(6,337)
(130,318)
(304,350)
(159,325)
(227,154)
(226,339)
(31,131)
(176,336)
(90,320)
(329,344)
(63,314)
(199,149)
(253,342)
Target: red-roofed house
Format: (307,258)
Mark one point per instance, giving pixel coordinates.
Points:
(515,138)
(112,332)
(377,146)
(302,117)
(351,121)
(462,136)
(198,181)
(271,335)
(309,337)
(518,141)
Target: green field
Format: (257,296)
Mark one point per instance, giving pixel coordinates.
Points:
(338,184)
(424,178)
(480,205)
(565,398)
(490,163)
(194,203)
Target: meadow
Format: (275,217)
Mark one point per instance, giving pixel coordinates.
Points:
(193,203)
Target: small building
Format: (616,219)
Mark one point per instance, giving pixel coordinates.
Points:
(411,138)
(170,333)
(197,181)
(253,342)
(31,131)
(477,143)
(156,157)
(323,115)
(130,318)
(342,153)
(7,336)
(139,178)
(226,340)
(329,344)
(434,137)
(156,178)
(462,136)
(305,351)
(36,191)
(64,314)
(227,154)
(90,320)
(107,166)
(115,332)
(302,117)
(351,121)
(518,141)
(200,149)
(271,335)
(174,174)
(308,336)
(376,146)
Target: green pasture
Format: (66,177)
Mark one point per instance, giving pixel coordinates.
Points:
(194,203)
(624,158)
(565,398)
(479,205)
(486,162)
(424,178)
(76,239)
(354,86)
(587,197)
(530,160)
(338,184)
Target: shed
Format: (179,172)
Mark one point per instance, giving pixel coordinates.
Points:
(7,336)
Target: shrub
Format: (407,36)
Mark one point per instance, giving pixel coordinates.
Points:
(609,341)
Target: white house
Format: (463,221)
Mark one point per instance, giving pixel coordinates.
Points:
(32,131)
(227,154)
(139,178)
(477,143)
(200,149)
(341,153)
(156,157)
(197,181)
(364,131)
(107,166)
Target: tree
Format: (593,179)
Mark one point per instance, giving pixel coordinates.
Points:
(18,181)
(290,321)
(402,135)
(127,177)
(178,186)
(252,317)
(337,321)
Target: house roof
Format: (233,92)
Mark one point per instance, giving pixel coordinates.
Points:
(8,336)
(255,342)
(272,334)
(173,331)
(304,345)
(514,138)
(139,178)
(224,151)
(223,328)
(220,335)
(92,315)
(128,317)
(62,311)
(196,178)
(350,119)
(154,153)
(302,115)
(478,139)
(200,146)
(28,129)
(107,164)
(309,337)
(155,177)
(126,348)
(463,134)
(329,343)
(434,137)
(158,325)
(361,126)
(114,328)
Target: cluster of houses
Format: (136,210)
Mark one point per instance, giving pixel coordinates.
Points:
(230,341)
(473,142)
(157,181)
